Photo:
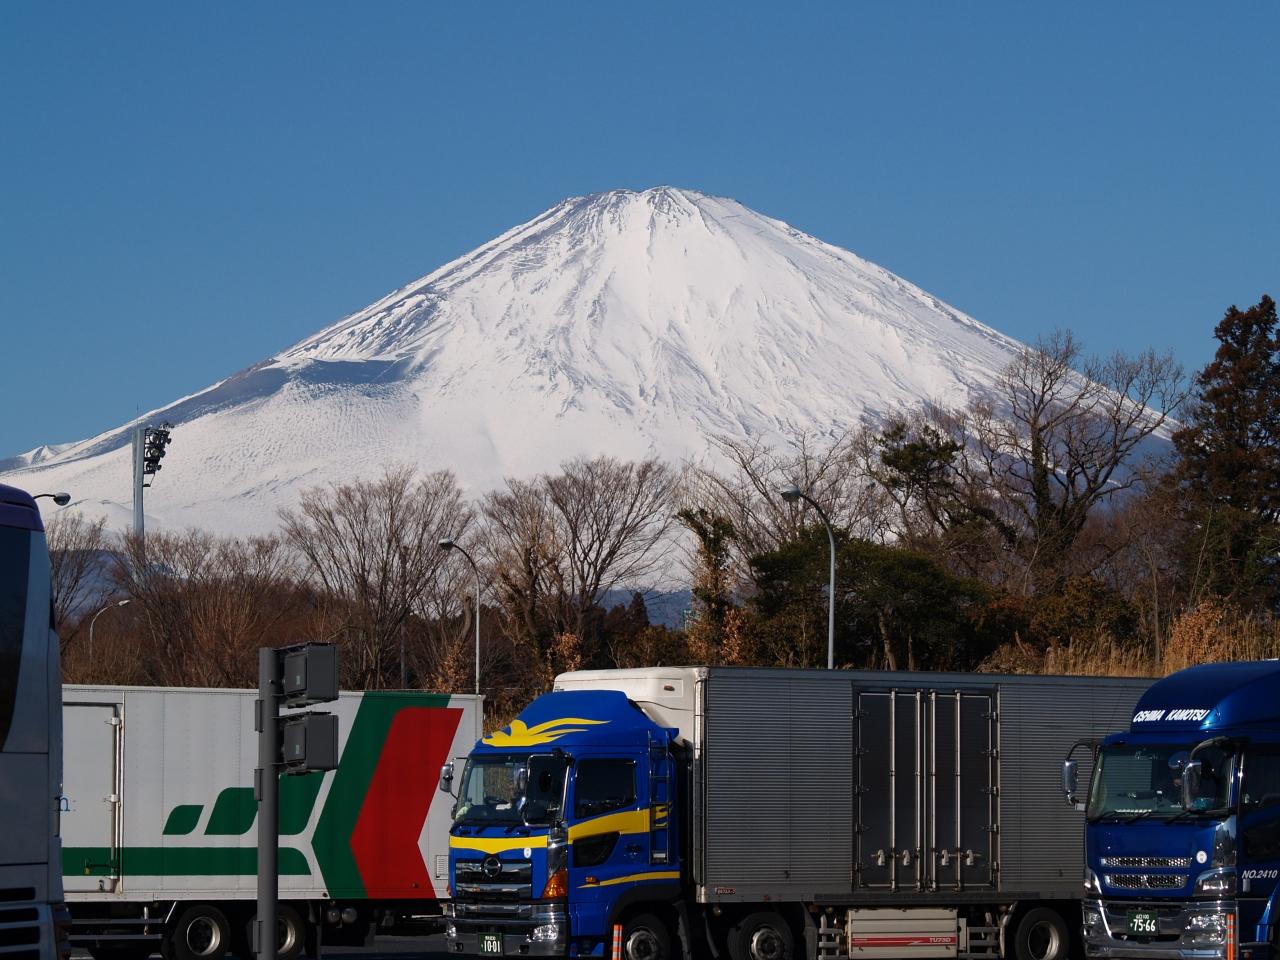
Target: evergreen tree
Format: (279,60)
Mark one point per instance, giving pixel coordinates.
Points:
(1231,447)
(1230,462)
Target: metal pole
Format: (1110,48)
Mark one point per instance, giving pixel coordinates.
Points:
(139,441)
(268,784)
(831,585)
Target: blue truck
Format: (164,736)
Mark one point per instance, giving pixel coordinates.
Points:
(1183,820)
(763,814)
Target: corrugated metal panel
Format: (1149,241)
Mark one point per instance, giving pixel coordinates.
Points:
(777,761)
(1040,717)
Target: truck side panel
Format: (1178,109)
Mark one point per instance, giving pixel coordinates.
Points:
(790,779)
(182,822)
(1040,719)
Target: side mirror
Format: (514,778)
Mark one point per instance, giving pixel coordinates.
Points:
(1190,783)
(1070,780)
(446,778)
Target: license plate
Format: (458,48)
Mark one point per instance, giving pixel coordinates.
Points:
(490,943)
(1143,922)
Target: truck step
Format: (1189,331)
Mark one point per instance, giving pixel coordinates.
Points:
(983,942)
(831,945)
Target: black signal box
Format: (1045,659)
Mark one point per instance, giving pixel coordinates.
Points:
(310,674)
(309,742)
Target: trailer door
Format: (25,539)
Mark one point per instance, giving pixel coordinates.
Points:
(961,786)
(91,792)
(890,778)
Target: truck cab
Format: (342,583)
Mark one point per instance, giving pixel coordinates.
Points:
(561,820)
(1183,821)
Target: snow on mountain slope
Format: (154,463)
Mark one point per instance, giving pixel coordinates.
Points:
(625,322)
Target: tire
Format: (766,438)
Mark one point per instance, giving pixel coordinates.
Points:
(124,951)
(762,936)
(291,932)
(201,933)
(645,937)
(1042,934)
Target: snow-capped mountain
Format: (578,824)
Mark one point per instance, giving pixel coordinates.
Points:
(628,323)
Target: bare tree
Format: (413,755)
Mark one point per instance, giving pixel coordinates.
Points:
(370,549)
(744,494)
(78,560)
(557,545)
(202,605)
(1062,439)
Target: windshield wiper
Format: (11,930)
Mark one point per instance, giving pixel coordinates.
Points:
(1212,812)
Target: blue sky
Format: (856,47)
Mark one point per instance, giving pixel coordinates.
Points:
(186,189)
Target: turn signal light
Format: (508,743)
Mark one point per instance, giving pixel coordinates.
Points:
(557,885)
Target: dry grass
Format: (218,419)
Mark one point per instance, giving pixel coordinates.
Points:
(1212,632)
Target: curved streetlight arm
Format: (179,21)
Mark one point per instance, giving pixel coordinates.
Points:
(117,603)
(451,545)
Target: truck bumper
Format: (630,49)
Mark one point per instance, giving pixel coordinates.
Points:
(1186,930)
(545,934)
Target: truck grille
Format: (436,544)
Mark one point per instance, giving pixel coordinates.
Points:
(1146,881)
(1148,862)
(493,880)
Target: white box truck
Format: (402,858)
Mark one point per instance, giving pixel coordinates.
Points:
(159,820)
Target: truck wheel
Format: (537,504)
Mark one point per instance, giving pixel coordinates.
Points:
(291,932)
(762,936)
(1042,935)
(201,933)
(645,937)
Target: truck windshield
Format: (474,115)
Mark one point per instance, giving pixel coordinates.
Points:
(512,789)
(1132,781)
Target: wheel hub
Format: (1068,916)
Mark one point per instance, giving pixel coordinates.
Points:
(766,944)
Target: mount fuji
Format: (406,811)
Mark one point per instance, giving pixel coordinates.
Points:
(628,323)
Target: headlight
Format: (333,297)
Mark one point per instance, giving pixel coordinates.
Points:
(1208,927)
(1091,884)
(1092,917)
(545,933)
(1216,883)
(450,930)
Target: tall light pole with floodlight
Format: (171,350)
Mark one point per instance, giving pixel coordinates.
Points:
(118,603)
(451,545)
(791,495)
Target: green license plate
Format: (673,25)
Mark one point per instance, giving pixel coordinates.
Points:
(1143,922)
(490,943)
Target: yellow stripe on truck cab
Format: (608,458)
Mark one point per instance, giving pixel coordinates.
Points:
(496,844)
(628,821)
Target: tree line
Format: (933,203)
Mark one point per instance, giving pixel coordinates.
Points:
(1085,515)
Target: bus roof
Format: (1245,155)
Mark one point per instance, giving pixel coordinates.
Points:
(17,509)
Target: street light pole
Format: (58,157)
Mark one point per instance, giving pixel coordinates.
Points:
(451,545)
(118,603)
(791,495)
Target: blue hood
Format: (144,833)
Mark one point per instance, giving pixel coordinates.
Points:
(1193,843)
